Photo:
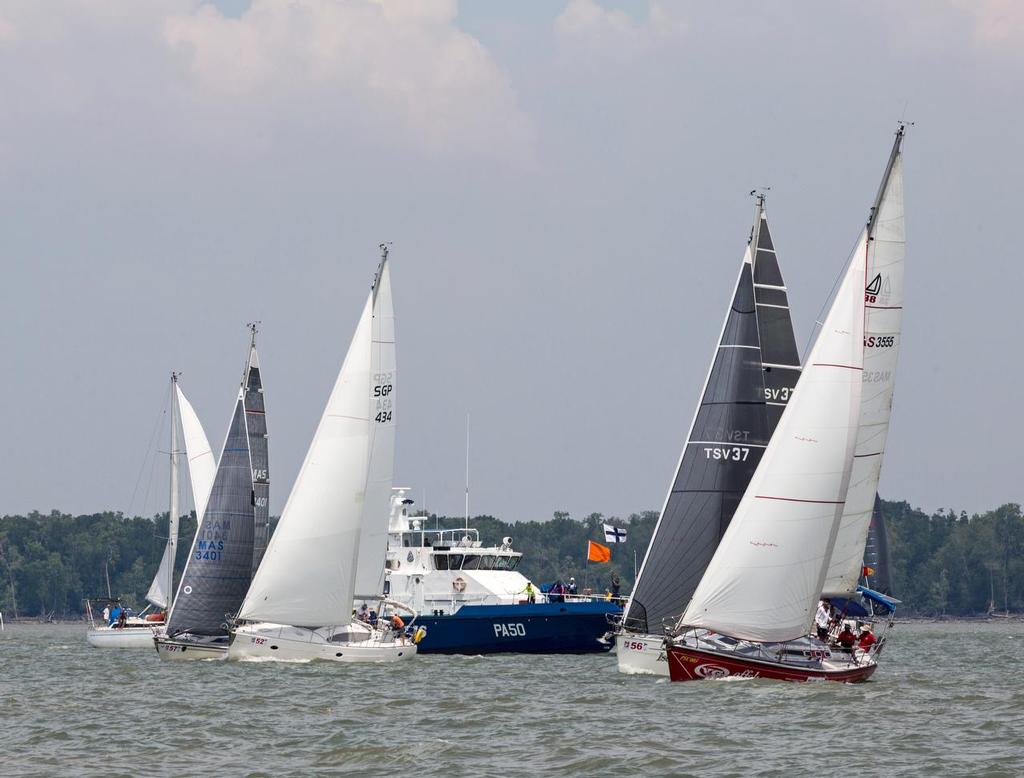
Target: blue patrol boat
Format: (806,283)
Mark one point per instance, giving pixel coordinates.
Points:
(472,599)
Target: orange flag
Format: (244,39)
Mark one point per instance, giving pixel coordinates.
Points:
(598,553)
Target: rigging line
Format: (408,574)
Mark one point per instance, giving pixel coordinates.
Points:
(146,453)
(819,319)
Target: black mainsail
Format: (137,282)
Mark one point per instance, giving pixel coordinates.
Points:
(256,424)
(876,551)
(755,367)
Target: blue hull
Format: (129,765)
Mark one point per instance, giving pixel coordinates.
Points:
(548,628)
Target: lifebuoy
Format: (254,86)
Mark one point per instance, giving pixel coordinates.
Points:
(459,584)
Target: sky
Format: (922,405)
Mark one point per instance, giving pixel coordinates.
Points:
(565,187)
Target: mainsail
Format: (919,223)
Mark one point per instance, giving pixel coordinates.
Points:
(883,314)
(766,576)
(256,425)
(373,540)
(308,574)
(751,378)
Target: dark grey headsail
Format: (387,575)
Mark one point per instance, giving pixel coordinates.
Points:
(219,566)
(876,552)
(755,364)
(256,423)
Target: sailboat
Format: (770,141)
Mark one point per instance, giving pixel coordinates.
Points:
(300,603)
(753,609)
(748,385)
(231,533)
(138,632)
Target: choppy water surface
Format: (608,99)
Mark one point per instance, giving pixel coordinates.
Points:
(947,700)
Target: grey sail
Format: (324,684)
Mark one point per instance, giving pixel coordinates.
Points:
(219,565)
(256,424)
(755,364)
(876,552)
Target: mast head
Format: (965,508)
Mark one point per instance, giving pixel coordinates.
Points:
(759,194)
(254,327)
(174,376)
(384,249)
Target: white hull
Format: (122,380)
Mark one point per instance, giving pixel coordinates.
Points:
(126,637)
(641,654)
(295,644)
(184,651)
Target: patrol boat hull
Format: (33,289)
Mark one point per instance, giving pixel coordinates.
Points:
(542,628)
(694,664)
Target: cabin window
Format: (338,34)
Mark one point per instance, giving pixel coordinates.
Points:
(501,562)
(440,561)
(486,562)
(472,562)
(455,561)
(513,561)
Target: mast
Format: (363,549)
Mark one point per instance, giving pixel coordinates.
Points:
(173,513)
(893,155)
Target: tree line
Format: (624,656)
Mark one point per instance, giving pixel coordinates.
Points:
(946,563)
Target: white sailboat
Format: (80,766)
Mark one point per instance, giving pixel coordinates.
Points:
(753,609)
(300,603)
(137,632)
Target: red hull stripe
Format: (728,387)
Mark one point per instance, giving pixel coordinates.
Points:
(796,499)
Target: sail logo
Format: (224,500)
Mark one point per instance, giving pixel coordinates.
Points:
(874,289)
(732,454)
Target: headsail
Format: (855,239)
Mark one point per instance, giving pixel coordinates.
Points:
(202,465)
(883,314)
(373,539)
(751,377)
(220,561)
(256,424)
(765,578)
(308,573)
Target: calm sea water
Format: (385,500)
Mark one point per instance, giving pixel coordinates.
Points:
(947,700)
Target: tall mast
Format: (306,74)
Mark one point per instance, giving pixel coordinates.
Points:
(173,513)
(873,215)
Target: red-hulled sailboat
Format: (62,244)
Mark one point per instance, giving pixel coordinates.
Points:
(755,605)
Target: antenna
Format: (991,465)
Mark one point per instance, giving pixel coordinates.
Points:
(759,193)
(467,472)
(254,327)
(384,249)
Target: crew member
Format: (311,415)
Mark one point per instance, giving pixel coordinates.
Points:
(572,585)
(531,593)
(398,626)
(867,639)
(822,619)
(846,638)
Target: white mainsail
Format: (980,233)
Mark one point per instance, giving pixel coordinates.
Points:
(201,468)
(765,579)
(373,540)
(883,316)
(307,577)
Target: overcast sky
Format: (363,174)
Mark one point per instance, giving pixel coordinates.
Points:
(565,186)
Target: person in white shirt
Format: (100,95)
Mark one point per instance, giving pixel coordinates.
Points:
(822,618)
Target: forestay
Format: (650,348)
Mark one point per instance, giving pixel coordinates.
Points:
(754,369)
(219,565)
(883,313)
(765,578)
(308,573)
(373,539)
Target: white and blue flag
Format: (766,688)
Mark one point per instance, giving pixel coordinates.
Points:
(614,534)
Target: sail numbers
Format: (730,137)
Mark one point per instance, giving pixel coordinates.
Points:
(731,454)
(779,395)
(383,387)
(880,341)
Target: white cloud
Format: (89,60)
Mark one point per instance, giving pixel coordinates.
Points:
(997,23)
(592,30)
(405,62)
(398,70)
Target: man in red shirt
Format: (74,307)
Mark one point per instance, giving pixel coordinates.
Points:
(867,640)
